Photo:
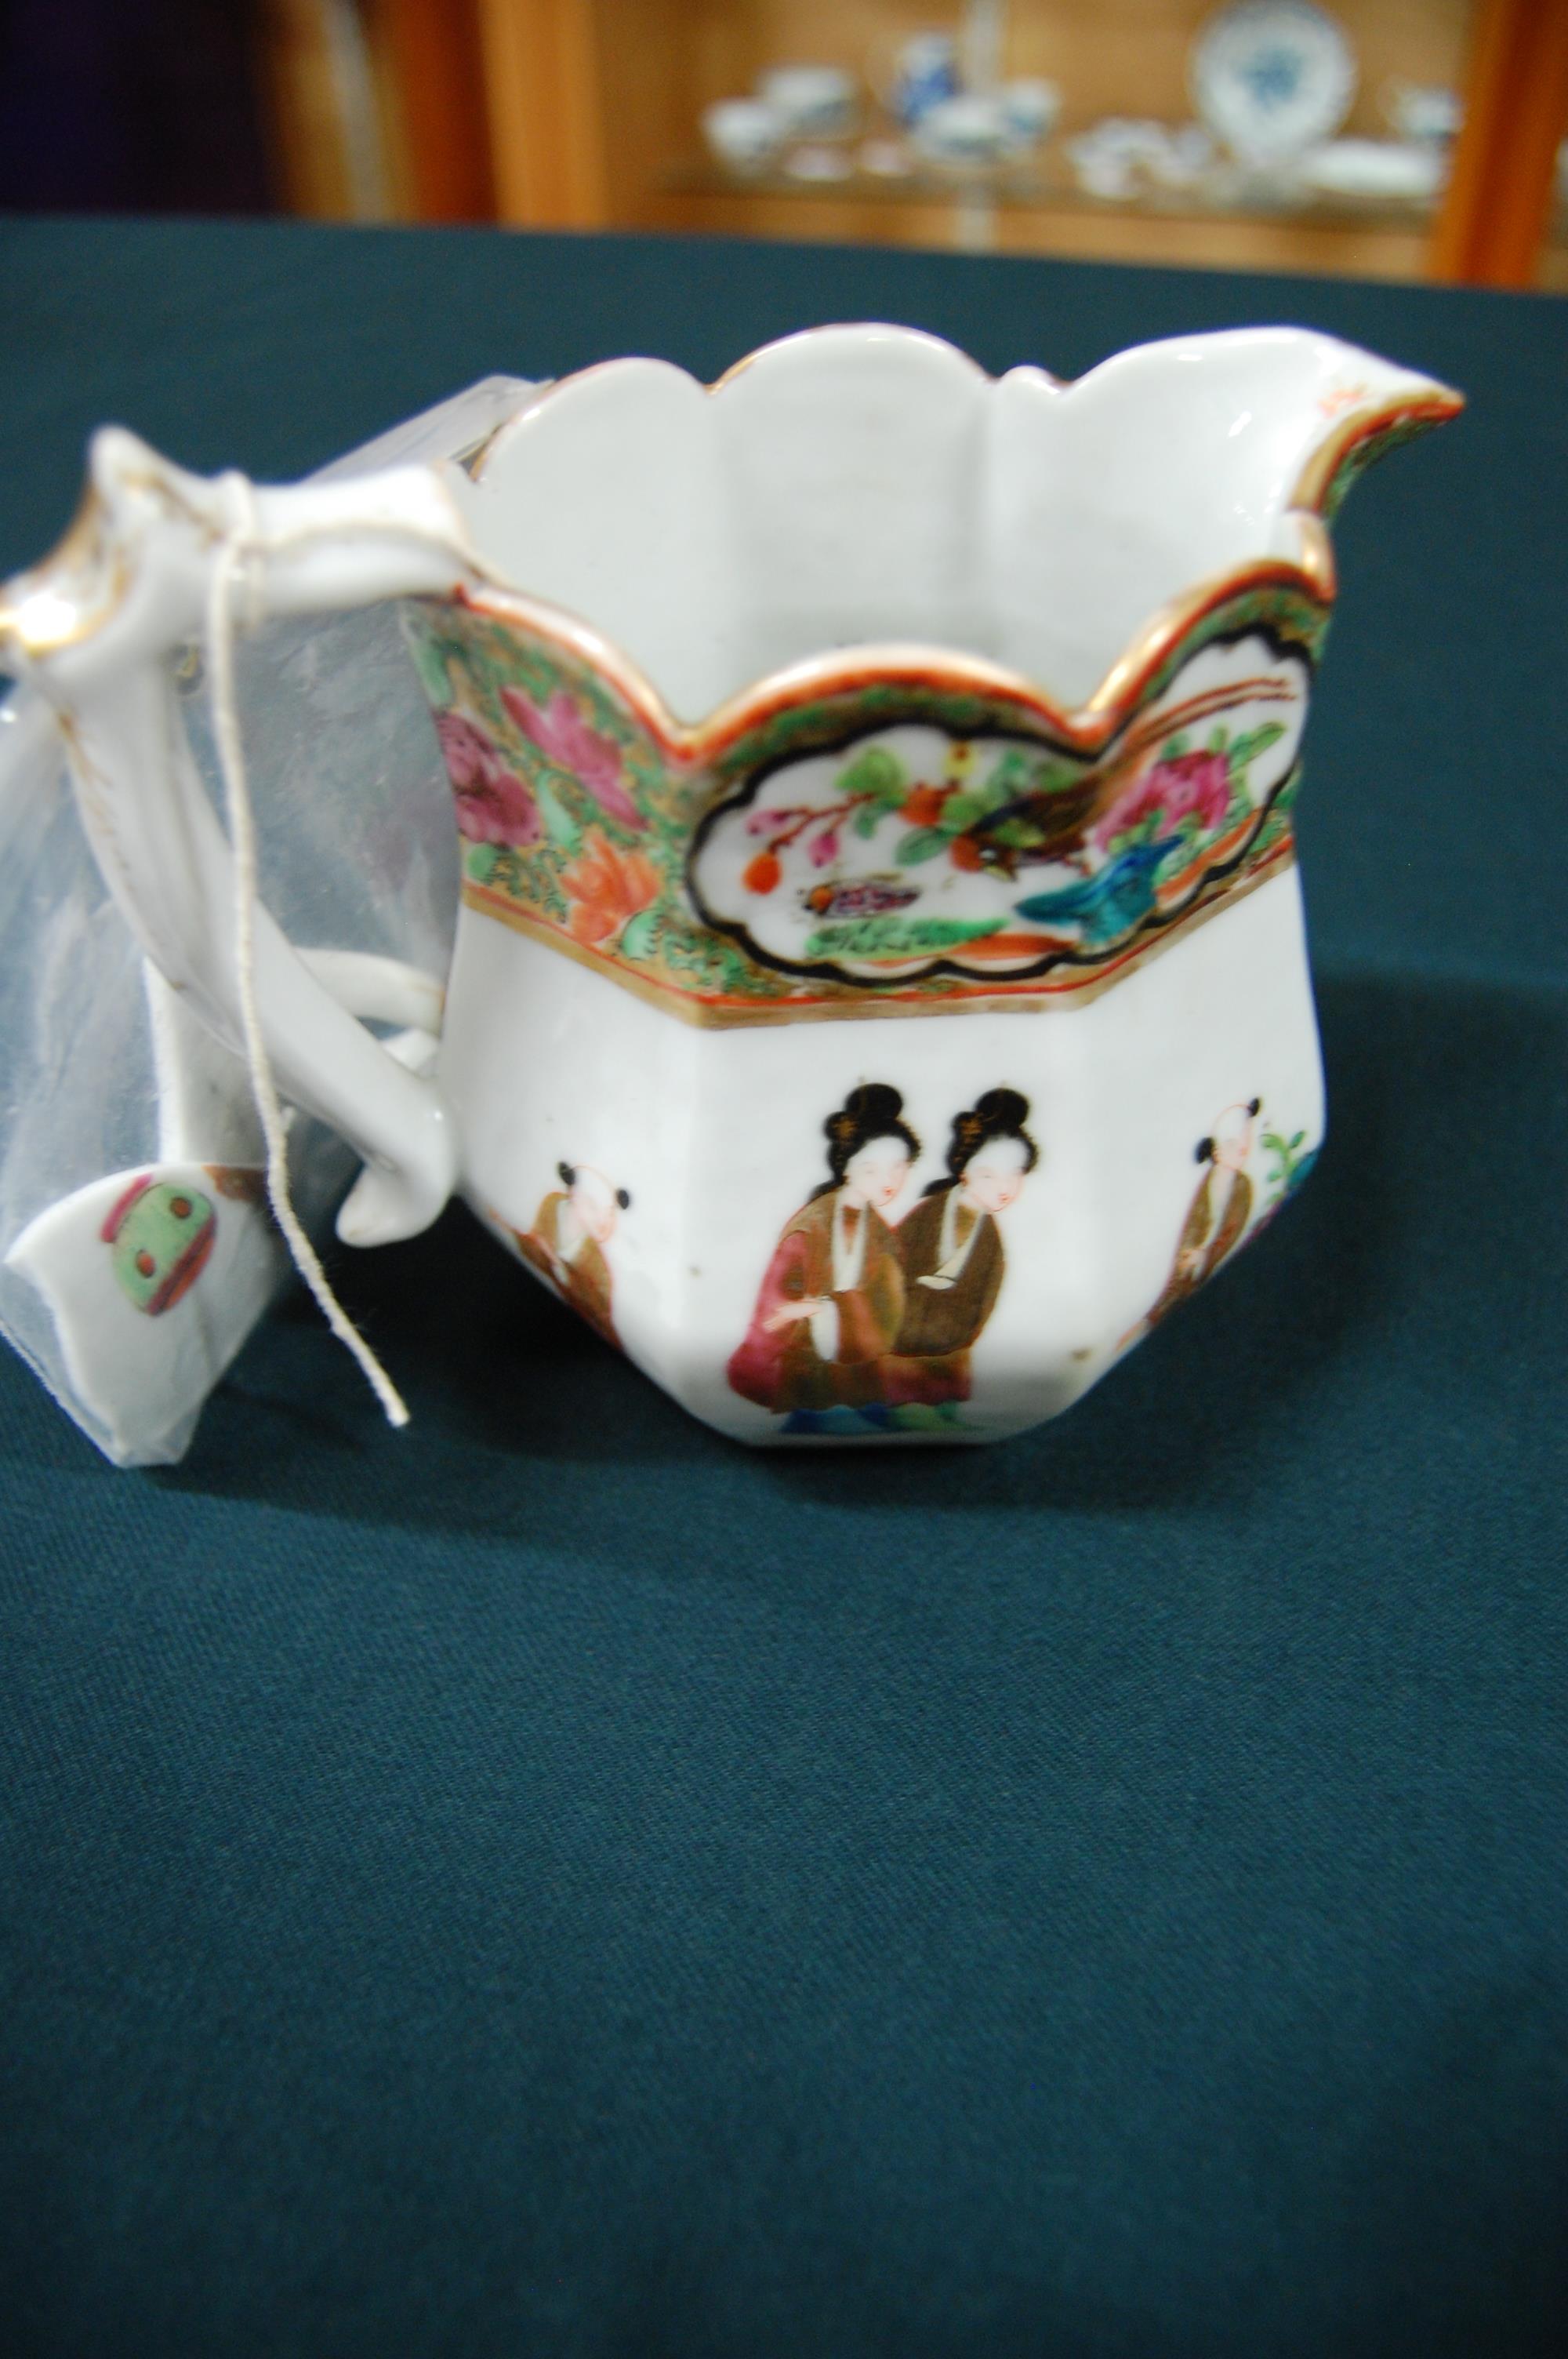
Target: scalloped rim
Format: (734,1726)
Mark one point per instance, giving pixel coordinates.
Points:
(818,679)
(1088,728)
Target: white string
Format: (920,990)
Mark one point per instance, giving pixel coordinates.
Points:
(242,546)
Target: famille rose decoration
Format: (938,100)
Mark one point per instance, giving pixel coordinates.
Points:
(879,992)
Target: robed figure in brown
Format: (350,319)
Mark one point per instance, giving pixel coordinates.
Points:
(1220,1209)
(832,1294)
(951,1252)
(565,1245)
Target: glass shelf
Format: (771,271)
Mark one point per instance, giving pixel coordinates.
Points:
(1047,184)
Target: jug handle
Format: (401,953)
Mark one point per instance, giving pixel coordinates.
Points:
(94,628)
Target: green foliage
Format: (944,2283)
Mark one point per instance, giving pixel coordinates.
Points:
(921,844)
(895,937)
(430,654)
(1051,778)
(1287,1152)
(875,771)
(1140,831)
(1253,742)
(1013,776)
(961,810)
(559,825)
(869,818)
(640,935)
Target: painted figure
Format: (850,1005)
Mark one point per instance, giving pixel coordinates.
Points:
(832,1295)
(1221,1207)
(567,1242)
(950,1248)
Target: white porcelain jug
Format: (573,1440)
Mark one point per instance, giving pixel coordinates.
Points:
(880,992)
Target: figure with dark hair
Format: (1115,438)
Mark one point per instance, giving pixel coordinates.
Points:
(565,1245)
(950,1247)
(1220,1209)
(830,1300)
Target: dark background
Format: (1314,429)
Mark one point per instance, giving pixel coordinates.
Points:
(552,1881)
(131,105)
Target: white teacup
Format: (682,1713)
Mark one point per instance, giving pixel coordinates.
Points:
(812,102)
(968,129)
(746,133)
(1031,108)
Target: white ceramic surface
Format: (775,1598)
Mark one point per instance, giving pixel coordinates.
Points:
(859,687)
(812,102)
(1428,112)
(1115,158)
(968,129)
(747,134)
(1375,168)
(1032,106)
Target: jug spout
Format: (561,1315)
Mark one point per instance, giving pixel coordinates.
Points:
(1182,464)
(1352,407)
(1311,413)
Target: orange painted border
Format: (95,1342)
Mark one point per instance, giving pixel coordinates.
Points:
(868,1002)
(1088,729)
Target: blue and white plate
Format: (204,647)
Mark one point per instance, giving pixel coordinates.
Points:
(1272,79)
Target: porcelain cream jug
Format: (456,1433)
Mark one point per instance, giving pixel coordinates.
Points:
(879,993)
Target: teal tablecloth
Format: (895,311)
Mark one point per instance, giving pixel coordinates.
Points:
(550,1883)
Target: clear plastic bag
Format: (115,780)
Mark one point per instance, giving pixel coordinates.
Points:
(136,1248)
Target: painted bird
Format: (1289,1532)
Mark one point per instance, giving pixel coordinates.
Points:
(1109,903)
(1034,828)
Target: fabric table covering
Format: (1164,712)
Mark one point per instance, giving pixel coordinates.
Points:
(552,1881)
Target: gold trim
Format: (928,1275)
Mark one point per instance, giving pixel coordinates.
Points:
(853,1004)
(88,572)
(1360,425)
(1089,728)
(84,556)
(944,671)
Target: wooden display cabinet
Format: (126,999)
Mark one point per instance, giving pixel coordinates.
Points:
(587,114)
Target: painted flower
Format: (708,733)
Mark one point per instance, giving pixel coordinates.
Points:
(494,805)
(1195,785)
(564,737)
(608,889)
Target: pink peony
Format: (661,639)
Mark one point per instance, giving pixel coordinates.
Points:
(1192,784)
(494,805)
(564,737)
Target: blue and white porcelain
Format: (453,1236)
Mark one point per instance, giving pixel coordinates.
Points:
(1272,79)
